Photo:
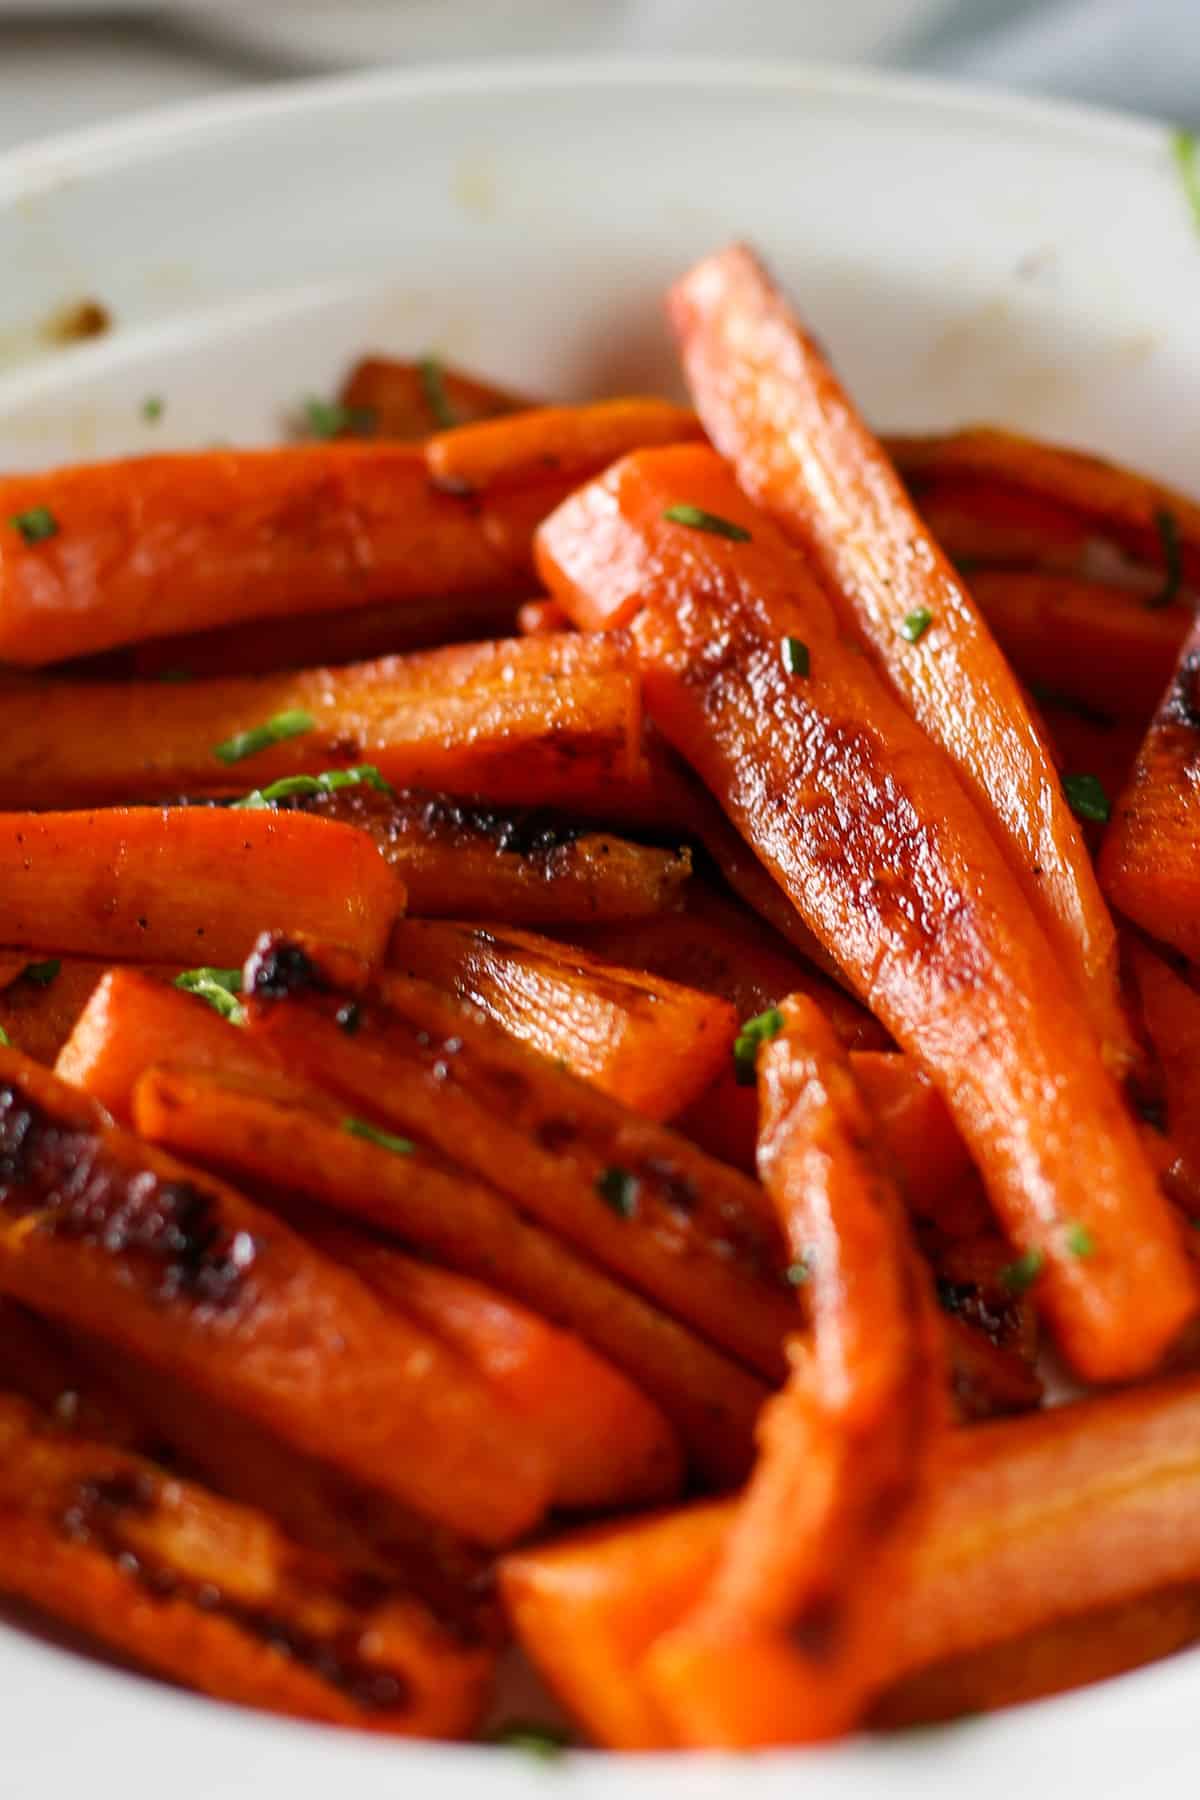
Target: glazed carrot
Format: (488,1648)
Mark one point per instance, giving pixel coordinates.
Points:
(798,1627)
(214,1595)
(39,1009)
(1033,1522)
(247,1131)
(572,441)
(387,398)
(771,403)
(1098,646)
(163,545)
(38,1363)
(532,721)
(462,860)
(920,1141)
(651,1044)
(987,524)
(1095,749)
(535,617)
(180,1270)
(1148,862)
(188,886)
(1171,1011)
(607,1444)
(689,1233)
(831,783)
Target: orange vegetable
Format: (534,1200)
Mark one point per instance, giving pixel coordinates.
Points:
(981,524)
(183,1272)
(651,1044)
(536,617)
(388,398)
(867,830)
(214,1596)
(771,404)
(1171,1011)
(571,441)
(39,1012)
(38,1363)
(188,886)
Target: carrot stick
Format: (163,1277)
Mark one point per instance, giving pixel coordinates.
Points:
(651,1044)
(798,1627)
(387,398)
(831,783)
(188,885)
(771,403)
(182,1271)
(39,1010)
(534,721)
(536,617)
(162,545)
(227,1121)
(607,1444)
(1171,1011)
(37,1362)
(214,1595)
(987,524)
(572,441)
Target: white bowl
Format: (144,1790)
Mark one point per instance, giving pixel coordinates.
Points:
(964,257)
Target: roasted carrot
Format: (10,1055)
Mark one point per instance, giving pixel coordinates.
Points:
(532,721)
(214,1595)
(798,1628)
(920,1140)
(235,1126)
(387,398)
(1171,1011)
(536,617)
(866,828)
(41,999)
(650,1043)
(182,1271)
(572,441)
(607,1444)
(188,886)
(771,403)
(983,524)
(163,545)
(38,1364)
(1148,862)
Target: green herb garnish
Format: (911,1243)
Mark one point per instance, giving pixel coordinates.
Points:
(278,730)
(359,1128)
(1086,797)
(5,1040)
(36,524)
(794,652)
(699,520)
(293,786)
(1024,1272)
(1168,530)
(433,386)
(42,973)
(220,987)
(745,1046)
(915,624)
(543,1741)
(1079,1241)
(328,419)
(153,408)
(1185,148)
(618,1189)
(799,1273)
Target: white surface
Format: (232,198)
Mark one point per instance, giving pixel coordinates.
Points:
(962,256)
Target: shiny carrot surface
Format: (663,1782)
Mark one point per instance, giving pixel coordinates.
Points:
(571,441)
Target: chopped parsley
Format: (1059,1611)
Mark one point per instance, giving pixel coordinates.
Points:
(293,786)
(327,419)
(1185,148)
(1086,798)
(153,408)
(799,1273)
(794,652)
(618,1188)
(915,624)
(277,730)
(5,1040)
(433,386)
(699,520)
(1168,530)
(359,1128)
(1079,1241)
(36,524)
(745,1046)
(220,987)
(42,973)
(1022,1274)
(543,1741)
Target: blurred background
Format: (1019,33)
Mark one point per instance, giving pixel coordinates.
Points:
(64,64)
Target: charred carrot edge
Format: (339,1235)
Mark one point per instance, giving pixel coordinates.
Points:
(188,886)
(772,404)
(1148,861)
(608,1445)
(689,1233)
(1024,1533)
(531,721)
(214,1595)
(164,545)
(830,782)
(226,1120)
(572,441)
(386,397)
(798,1627)
(651,1044)
(181,1270)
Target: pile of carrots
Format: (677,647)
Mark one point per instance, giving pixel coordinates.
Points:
(584,991)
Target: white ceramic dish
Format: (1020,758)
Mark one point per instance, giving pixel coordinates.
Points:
(964,257)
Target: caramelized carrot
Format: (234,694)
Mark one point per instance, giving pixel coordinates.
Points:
(536,617)
(571,441)
(651,1044)
(986,524)
(182,1271)
(607,1444)
(237,1126)
(1171,1011)
(920,1140)
(534,721)
(771,403)
(387,398)
(188,886)
(41,1000)
(213,1594)
(798,1627)
(867,830)
(39,1364)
